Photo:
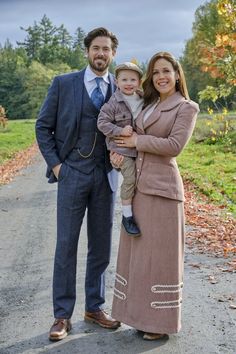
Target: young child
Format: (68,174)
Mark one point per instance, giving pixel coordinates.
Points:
(117,118)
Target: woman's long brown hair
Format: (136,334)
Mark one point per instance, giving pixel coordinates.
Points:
(150,93)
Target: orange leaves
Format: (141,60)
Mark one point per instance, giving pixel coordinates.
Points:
(210,231)
(221,40)
(219,59)
(227,9)
(134,61)
(233,82)
(3,118)
(225,40)
(12,167)
(204,68)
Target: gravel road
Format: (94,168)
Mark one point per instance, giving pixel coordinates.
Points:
(27,241)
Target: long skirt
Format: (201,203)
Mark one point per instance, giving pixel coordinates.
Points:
(149,274)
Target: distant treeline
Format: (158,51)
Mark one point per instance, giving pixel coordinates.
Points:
(47,50)
(27,70)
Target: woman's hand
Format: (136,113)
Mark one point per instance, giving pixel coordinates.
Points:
(126,141)
(116,159)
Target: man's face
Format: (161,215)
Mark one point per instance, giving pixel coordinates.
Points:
(100,54)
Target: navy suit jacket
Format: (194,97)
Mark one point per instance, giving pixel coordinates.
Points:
(58,123)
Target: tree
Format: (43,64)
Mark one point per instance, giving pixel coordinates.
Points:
(32,42)
(204,28)
(43,75)
(13,62)
(209,56)
(47,51)
(47,43)
(219,58)
(78,40)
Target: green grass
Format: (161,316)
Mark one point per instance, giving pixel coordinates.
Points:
(18,135)
(212,168)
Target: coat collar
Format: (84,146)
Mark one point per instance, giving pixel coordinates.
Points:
(167,105)
(170,102)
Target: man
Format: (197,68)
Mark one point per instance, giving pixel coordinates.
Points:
(76,155)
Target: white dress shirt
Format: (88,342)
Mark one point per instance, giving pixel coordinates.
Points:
(149,111)
(90,83)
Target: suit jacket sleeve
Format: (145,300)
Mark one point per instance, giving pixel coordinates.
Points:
(179,136)
(46,126)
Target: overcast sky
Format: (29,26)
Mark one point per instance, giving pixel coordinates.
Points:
(142,27)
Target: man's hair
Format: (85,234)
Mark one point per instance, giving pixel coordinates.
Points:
(100,32)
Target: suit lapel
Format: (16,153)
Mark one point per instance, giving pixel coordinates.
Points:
(139,123)
(78,83)
(167,105)
(111,88)
(153,118)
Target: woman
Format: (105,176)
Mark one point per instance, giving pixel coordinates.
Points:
(149,278)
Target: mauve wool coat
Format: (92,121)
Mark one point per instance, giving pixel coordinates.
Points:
(149,275)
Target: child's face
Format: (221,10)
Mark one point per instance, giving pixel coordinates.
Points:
(128,81)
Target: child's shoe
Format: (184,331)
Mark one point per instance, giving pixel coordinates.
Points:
(130,226)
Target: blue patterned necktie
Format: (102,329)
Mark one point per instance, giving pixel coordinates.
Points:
(97,96)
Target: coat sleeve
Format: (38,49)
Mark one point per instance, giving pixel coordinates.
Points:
(46,125)
(106,120)
(179,136)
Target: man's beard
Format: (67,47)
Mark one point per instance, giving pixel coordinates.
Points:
(99,67)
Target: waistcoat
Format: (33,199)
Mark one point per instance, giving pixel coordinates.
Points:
(90,150)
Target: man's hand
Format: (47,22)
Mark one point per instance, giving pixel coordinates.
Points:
(56,170)
(116,159)
(127,131)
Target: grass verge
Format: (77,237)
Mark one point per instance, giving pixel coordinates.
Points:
(211,165)
(17,136)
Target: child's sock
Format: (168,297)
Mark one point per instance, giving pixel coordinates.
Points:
(127,210)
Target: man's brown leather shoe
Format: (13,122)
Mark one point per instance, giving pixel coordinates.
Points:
(60,329)
(102,319)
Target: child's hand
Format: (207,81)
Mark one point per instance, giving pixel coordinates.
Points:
(127,131)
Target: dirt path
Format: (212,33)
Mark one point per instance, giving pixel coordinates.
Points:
(27,241)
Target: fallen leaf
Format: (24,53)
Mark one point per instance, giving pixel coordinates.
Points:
(232,306)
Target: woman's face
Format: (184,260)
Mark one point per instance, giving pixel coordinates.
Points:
(164,78)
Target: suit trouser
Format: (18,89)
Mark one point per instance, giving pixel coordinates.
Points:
(76,192)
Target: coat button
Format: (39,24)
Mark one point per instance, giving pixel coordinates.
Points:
(138,170)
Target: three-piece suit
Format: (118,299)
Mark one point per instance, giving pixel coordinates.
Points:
(67,134)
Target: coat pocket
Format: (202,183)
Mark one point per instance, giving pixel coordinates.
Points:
(62,172)
(156,177)
(123,119)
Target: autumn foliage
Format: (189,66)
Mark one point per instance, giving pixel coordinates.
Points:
(3,118)
(219,60)
(209,231)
